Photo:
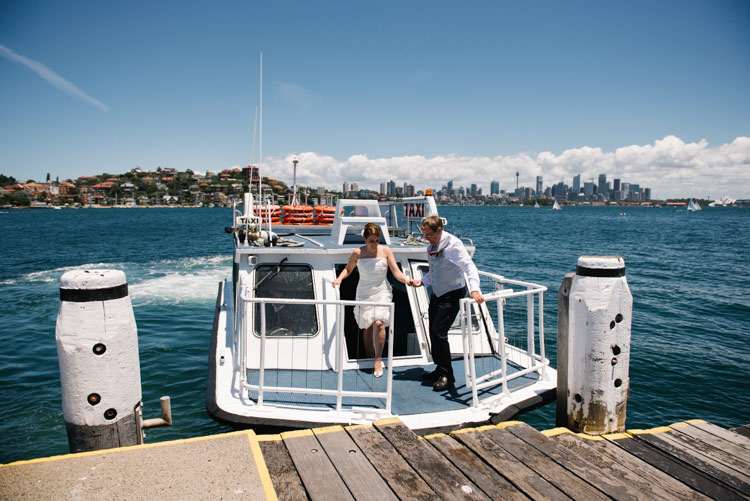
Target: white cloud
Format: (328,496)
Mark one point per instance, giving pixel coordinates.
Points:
(670,167)
(52,78)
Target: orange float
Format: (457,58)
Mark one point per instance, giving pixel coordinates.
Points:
(264,211)
(324,214)
(297,214)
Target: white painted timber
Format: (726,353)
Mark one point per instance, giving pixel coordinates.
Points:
(108,325)
(599,325)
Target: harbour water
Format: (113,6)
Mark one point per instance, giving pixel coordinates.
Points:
(687,273)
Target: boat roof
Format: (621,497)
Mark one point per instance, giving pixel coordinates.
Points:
(345,234)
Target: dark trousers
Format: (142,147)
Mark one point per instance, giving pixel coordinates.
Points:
(442,312)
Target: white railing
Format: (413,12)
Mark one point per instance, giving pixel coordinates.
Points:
(338,334)
(534,361)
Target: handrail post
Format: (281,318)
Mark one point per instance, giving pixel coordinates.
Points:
(465,343)
(541,332)
(530,324)
(389,381)
(262,364)
(470,369)
(339,357)
(501,339)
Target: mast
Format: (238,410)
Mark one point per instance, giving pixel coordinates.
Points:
(260,139)
(255,127)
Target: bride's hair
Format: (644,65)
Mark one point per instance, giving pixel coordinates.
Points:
(371,229)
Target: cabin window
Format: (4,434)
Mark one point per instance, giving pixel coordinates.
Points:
(285,281)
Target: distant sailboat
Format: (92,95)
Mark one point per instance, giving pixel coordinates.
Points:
(556,206)
(536,205)
(692,206)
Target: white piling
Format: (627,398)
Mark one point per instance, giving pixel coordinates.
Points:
(595,357)
(97,349)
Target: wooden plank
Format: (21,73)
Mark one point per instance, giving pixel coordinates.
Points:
(670,465)
(492,483)
(598,477)
(320,478)
(695,460)
(742,430)
(355,470)
(438,472)
(650,482)
(718,442)
(284,476)
(547,468)
(520,475)
(723,460)
(393,468)
(727,435)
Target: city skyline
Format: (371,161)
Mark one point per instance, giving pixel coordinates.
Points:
(655,91)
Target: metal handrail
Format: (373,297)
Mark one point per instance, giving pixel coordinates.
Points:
(537,362)
(339,392)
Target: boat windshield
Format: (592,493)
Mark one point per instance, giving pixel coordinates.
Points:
(285,281)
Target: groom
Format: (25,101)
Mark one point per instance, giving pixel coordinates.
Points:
(449,261)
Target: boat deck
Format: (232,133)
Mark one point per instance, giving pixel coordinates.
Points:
(411,394)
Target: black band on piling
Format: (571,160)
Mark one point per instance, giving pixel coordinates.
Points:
(600,272)
(87,295)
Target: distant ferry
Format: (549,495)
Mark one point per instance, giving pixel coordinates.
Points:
(286,350)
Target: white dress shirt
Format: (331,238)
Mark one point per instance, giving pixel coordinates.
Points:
(449,261)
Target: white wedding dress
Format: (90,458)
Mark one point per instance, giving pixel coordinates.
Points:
(372,286)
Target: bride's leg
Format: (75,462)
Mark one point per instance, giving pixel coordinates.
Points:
(368,341)
(378,339)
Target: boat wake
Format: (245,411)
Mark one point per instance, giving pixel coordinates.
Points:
(168,281)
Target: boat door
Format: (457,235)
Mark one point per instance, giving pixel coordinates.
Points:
(481,321)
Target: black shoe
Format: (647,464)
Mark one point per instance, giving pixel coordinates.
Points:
(443,383)
(432,375)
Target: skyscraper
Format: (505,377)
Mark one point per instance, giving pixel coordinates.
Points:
(588,189)
(577,184)
(603,186)
(539,186)
(495,188)
(345,191)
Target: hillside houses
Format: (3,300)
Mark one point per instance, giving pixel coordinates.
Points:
(164,186)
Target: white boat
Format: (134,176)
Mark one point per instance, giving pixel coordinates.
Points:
(286,350)
(692,206)
(536,205)
(556,206)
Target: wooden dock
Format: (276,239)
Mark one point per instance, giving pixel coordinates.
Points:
(386,461)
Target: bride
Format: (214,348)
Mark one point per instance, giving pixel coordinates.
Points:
(373,261)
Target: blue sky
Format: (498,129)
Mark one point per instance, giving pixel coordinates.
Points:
(656,93)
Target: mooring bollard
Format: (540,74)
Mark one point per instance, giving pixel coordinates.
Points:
(97,349)
(594,321)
